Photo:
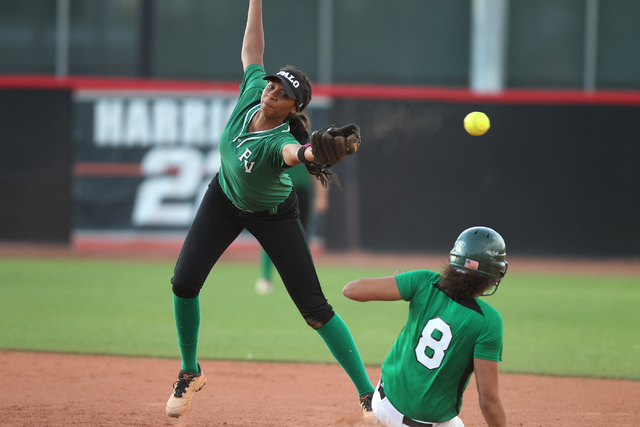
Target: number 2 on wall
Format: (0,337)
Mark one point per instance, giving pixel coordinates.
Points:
(173,185)
(433,343)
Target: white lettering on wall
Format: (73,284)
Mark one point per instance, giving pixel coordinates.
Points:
(142,122)
(175,183)
(137,123)
(182,134)
(165,121)
(194,129)
(107,121)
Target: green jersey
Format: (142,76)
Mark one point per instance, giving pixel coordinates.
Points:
(251,171)
(429,365)
(299,177)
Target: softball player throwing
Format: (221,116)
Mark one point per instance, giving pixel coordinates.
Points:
(449,334)
(262,139)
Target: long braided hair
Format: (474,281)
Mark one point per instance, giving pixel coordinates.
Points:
(299,121)
(462,284)
(300,128)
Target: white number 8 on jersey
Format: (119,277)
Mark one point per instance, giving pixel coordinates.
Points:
(429,340)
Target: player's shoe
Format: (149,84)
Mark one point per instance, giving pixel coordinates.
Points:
(367,410)
(263,286)
(183,389)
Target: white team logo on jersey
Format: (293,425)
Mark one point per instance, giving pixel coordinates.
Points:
(245,156)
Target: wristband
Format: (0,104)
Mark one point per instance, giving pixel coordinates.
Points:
(301,156)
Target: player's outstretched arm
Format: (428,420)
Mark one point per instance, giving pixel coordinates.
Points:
(253,42)
(378,289)
(486,372)
(291,153)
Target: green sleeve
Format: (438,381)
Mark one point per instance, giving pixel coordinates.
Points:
(253,78)
(299,176)
(489,344)
(410,282)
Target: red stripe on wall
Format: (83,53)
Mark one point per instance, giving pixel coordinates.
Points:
(424,93)
(355,91)
(11,81)
(107,169)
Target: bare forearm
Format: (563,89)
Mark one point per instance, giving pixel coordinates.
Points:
(291,153)
(253,42)
(378,289)
(494,413)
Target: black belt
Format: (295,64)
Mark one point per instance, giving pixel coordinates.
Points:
(405,420)
(271,211)
(413,423)
(266,212)
(289,202)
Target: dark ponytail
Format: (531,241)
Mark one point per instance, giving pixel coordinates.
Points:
(299,123)
(300,129)
(463,284)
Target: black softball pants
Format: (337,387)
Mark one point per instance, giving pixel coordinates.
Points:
(218,222)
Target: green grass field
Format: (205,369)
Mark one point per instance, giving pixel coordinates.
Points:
(554,324)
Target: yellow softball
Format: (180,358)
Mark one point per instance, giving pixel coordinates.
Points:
(476,123)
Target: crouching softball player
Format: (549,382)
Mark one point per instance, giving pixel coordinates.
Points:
(449,334)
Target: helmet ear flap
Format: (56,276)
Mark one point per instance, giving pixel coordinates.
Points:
(495,287)
(488,294)
(506,267)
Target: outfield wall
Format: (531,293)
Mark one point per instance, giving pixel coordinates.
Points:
(557,174)
(35,165)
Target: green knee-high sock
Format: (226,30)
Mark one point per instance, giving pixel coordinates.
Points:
(337,337)
(187,315)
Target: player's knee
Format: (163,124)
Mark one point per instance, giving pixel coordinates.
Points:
(183,292)
(316,322)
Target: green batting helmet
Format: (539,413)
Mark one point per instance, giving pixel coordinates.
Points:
(483,250)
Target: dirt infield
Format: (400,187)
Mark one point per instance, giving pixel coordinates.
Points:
(55,390)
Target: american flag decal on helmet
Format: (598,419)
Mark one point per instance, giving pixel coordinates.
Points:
(469,263)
